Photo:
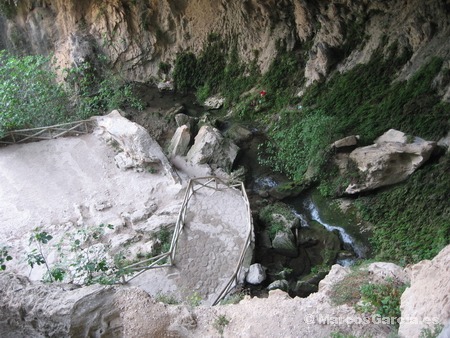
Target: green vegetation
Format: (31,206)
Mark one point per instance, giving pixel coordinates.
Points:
(216,69)
(431,332)
(194,300)
(4,257)
(408,224)
(299,140)
(31,97)
(347,290)
(167,299)
(220,323)
(29,94)
(356,290)
(411,220)
(277,217)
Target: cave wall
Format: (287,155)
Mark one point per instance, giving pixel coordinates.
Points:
(136,35)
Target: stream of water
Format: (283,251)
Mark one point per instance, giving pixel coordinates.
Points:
(356,245)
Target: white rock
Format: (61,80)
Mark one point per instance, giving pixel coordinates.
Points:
(256,274)
(427,299)
(214,102)
(212,148)
(390,160)
(179,145)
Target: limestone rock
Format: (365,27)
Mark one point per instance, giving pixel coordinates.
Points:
(238,134)
(382,271)
(304,289)
(349,141)
(56,310)
(281,284)
(256,274)
(319,63)
(445,142)
(214,102)
(428,296)
(165,86)
(390,160)
(284,244)
(135,142)
(212,148)
(183,119)
(179,145)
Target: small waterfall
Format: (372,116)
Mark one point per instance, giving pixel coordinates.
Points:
(359,249)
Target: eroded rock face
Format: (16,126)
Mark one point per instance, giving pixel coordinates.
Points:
(137,36)
(427,299)
(137,147)
(390,160)
(40,310)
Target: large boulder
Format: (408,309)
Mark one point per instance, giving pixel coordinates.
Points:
(137,146)
(179,145)
(212,148)
(284,244)
(390,160)
(426,301)
(256,274)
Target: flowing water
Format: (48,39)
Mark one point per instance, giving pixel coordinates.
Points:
(355,243)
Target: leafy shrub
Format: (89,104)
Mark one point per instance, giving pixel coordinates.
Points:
(29,94)
(31,97)
(382,299)
(4,257)
(96,89)
(185,70)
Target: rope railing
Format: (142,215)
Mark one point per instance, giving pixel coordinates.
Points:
(74,128)
(193,186)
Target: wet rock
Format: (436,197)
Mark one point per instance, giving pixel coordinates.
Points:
(304,289)
(284,244)
(183,119)
(174,111)
(256,274)
(289,189)
(281,284)
(238,134)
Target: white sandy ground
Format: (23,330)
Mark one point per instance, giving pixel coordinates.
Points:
(70,183)
(59,184)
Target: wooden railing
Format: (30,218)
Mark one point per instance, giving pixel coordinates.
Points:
(194,185)
(47,133)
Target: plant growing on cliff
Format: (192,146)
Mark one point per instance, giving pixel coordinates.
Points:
(220,323)
(36,256)
(4,257)
(297,141)
(29,94)
(382,298)
(96,89)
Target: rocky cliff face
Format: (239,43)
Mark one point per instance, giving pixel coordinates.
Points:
(137,35)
